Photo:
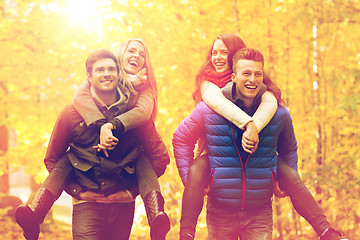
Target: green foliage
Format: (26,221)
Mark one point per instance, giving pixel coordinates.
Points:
(43,53)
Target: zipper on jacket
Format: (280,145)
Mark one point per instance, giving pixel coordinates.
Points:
(212,179)
(243,169)
(273,176)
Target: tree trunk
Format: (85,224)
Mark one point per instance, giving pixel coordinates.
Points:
(4,145)
(236,16)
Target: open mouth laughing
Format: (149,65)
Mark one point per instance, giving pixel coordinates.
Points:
(250,86)
(134,63)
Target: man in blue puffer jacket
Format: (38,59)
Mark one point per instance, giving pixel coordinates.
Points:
(239,200)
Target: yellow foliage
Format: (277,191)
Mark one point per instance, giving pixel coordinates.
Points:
(43,54)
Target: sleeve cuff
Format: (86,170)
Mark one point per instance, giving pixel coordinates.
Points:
(129,193)
(119,126)
(99,123)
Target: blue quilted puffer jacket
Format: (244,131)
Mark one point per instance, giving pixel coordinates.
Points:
(236,183)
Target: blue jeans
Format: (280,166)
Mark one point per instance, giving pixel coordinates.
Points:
(99,221)
(224,224)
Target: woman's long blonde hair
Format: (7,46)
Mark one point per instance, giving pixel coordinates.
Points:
(119,52)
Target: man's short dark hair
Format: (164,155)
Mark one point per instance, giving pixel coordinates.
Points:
(97,55)
(247,54)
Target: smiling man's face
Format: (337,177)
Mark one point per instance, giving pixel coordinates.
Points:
(104,76)
(248,77)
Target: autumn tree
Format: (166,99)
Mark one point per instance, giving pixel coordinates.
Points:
(311,49)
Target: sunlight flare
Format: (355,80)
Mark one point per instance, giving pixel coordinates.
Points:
(86,13)
(82,11)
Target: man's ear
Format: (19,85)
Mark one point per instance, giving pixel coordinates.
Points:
(88,77)
(233,77)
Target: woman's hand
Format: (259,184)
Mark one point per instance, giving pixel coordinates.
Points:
(121,196)
(141,78)
(142,75)
(278,192)
(250,138)
(93,197)
(107,139)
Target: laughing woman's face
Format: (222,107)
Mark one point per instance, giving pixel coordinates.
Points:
(134,57)
(219,56)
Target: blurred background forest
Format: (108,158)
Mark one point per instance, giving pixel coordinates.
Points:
(312,50)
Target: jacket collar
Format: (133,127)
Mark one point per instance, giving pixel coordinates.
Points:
(229,92)
(102,104)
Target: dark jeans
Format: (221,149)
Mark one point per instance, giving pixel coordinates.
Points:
(254,224)
(193,197)
(146,176)
(301,198)
(100,221)
(58,177)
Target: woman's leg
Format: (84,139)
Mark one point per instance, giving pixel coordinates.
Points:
(30,217)
(193,196)
(58,177)
(146,176)
(150,192)
(301,198)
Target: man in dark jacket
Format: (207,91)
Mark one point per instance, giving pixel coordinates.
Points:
(104,187)
(239,201)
